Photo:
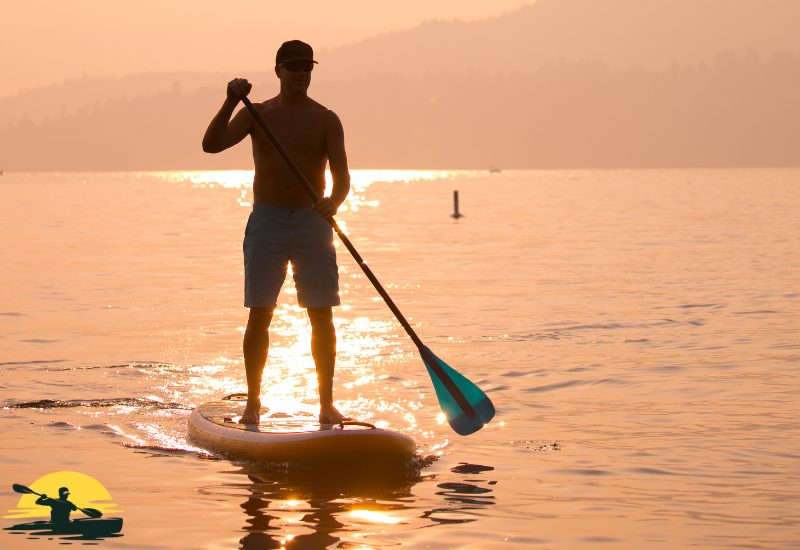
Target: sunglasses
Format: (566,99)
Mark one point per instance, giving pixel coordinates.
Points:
(295,66)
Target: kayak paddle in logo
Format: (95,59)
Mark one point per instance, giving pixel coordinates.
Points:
(77,506)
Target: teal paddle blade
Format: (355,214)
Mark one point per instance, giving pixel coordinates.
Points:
(464,404)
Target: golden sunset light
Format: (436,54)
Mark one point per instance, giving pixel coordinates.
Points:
(450,274)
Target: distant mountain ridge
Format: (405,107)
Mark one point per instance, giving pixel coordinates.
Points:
(737,112)
(620,33)
(76,93)
(556,84)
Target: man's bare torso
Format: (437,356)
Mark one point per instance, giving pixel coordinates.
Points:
(302,131)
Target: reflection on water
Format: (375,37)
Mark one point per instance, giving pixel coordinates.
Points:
(314,508)
(637,331)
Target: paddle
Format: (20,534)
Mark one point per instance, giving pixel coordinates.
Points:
(465,406)
(91,512)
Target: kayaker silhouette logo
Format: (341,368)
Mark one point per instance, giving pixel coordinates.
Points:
(58,495)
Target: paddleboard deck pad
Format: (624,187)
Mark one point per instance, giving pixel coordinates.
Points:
(281,437)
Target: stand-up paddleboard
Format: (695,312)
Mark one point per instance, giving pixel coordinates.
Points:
(280,437)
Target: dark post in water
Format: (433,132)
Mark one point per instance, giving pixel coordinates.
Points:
(456,214)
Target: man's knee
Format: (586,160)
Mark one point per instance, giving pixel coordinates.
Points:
(259,318)
(322,322)
(320,317)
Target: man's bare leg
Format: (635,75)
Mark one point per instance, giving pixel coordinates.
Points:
(255,348)
(323,349)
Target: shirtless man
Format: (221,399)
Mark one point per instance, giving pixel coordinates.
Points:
(285,224)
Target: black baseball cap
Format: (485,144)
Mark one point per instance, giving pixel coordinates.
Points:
(294,50)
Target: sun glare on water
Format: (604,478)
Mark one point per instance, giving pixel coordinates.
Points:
(374,517)
(368,346)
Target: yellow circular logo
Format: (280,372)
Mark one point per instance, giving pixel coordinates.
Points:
(84,492)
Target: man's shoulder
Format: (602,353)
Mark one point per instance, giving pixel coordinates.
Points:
(326,114)
(315,105)
(310,105)
(329,116)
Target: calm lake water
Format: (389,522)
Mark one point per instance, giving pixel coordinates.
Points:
(636,330)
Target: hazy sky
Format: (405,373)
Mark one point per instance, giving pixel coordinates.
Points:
(43,42)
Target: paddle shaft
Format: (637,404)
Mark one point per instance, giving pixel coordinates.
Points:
(22,489)
(431,361)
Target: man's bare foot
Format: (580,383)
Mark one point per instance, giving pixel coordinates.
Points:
(251,414)
(330,415)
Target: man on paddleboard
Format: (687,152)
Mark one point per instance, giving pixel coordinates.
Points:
(60,508)
(285,224)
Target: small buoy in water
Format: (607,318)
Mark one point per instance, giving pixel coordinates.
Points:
(456,214)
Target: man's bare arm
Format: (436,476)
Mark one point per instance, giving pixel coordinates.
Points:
(222,134)
(337,158)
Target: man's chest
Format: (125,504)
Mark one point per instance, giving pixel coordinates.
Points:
(300,134)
